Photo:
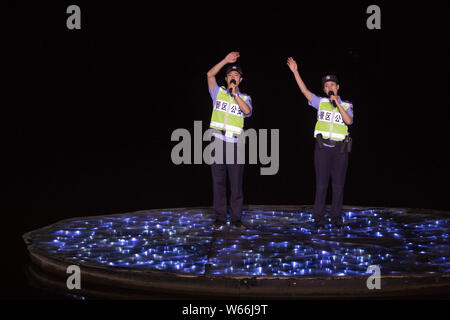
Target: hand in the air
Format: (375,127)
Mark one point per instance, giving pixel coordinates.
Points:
(292,64)
(232,57)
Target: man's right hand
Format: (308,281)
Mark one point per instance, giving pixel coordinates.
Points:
(232,57)
(292,64)
(211,75)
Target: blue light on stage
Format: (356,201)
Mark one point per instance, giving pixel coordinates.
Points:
(274,243)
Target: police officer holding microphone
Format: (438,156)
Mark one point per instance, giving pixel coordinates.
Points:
(332,144)
(230,108)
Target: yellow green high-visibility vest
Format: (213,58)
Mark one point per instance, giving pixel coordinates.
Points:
(329,121)
(226,114)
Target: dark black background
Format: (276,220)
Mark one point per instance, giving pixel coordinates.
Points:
(90,112)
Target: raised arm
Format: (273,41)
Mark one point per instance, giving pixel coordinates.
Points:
(211,75)
(293,66)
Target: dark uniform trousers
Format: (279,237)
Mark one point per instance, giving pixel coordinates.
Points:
(329,162)
(235,173)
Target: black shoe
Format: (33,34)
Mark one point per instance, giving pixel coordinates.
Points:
(337,222)
(218,224)
(319,224)
(316,225)
(238,224)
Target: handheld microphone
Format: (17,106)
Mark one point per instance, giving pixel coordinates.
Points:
(230,90)
(331,93)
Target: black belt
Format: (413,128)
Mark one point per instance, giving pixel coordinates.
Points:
(345,144)
(328,141)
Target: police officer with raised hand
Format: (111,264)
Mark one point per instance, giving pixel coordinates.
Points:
(230,108)
(332,144)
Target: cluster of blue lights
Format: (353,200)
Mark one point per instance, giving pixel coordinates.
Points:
(278,242)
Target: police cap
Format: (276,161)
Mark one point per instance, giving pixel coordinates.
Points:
(234,67)
(330,77)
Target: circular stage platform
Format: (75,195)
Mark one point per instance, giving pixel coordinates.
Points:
(280,254)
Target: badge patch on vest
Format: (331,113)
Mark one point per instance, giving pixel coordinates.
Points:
(223,105)
(326,116)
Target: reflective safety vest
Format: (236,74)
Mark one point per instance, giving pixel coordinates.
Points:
(329,121)
(226,114)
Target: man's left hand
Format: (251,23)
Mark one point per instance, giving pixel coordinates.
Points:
(233,90)
(334,98)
